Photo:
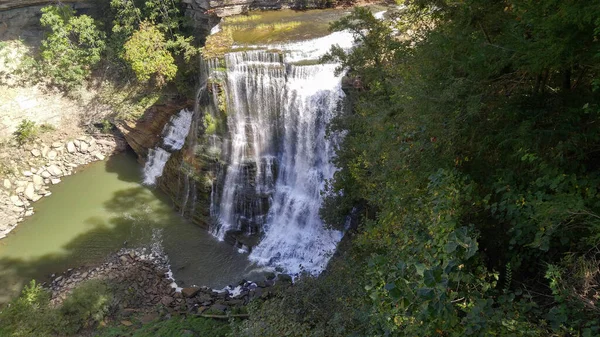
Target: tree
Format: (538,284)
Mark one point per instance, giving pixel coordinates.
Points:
(149,58)
(73,46)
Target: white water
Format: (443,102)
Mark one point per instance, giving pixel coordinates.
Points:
(174,134)
(279,156)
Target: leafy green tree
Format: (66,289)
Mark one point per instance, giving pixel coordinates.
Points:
(149,58)
(73,46)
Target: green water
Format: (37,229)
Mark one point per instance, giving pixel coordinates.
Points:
(287,25)
(104,208)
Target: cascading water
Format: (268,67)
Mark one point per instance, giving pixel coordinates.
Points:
(174,135)
(278,156)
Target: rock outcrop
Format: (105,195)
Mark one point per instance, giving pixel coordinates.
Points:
(21,18)
(145,134)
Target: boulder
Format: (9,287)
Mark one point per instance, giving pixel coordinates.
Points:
(218,307)
(7,184)
(56,145)
(30,192)
(83,147)
(16,201)
(52,155)
(45,150)
(190,292)
(99,156)
(71,147)
(38,180)
(27,173)
(55,181)
(55,170)
(36,153)
(46,174)
(166,300)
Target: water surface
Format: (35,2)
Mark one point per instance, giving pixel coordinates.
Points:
(104,208)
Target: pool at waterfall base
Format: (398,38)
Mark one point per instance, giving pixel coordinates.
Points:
(101,209)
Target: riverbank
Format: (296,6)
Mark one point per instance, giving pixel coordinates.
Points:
(28,171)
(148,280)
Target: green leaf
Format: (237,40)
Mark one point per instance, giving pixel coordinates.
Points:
(429,278)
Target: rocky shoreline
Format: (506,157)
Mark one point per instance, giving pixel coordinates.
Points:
(149,286)
(28,171)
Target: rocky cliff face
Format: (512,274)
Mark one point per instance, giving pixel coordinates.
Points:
(202,10)
(145,134)
(21,18)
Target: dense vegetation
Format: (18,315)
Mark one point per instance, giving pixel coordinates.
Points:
(471,159)
(135,53)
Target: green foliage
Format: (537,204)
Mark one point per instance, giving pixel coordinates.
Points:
(176,326)
(471,158)
(149,37)
(26,132)
(32,315)
(29,314)
(72,48)
(329,305)
(148,56)
(86,306)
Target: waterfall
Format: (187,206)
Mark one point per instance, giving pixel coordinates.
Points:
(278,156)
(174,135)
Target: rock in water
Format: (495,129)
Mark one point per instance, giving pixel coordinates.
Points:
(190,292)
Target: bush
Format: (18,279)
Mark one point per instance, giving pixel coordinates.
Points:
(29,314)
(86,306)
(26,131)
(32,315)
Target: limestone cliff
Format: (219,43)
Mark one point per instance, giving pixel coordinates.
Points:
(21,18)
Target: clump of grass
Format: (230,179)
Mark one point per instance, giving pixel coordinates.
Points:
(241,18)
(279,26)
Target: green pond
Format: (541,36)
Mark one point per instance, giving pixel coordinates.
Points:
(101,209)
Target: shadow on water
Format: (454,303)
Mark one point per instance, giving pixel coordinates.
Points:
(131,215)
(102,238)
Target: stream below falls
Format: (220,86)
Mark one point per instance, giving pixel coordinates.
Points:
(101,209)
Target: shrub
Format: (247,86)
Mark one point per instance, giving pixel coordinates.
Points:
(28,315)
(26,131)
